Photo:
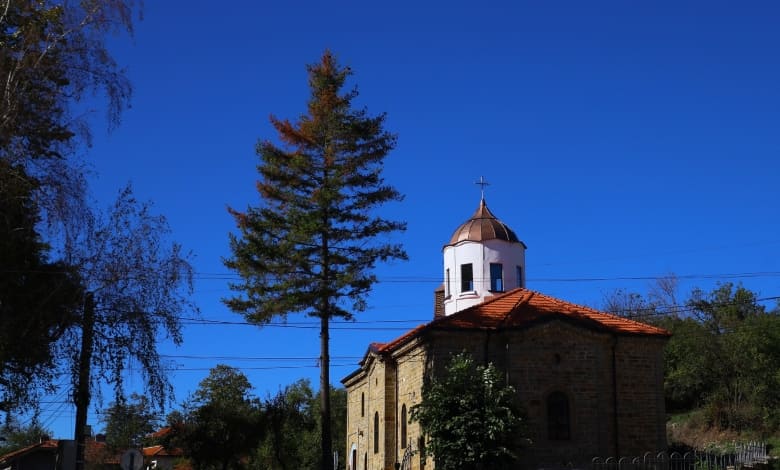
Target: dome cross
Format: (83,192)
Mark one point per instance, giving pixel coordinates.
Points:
(482,183)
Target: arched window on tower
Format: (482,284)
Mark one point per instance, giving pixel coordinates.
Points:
(558,417)
(403,426)
(376,432)
(362,404)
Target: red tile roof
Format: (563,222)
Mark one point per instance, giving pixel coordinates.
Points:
(162,432)
(522,307)
(98,452)
(161,451)
(49,445)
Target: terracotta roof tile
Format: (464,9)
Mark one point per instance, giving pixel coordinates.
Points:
(161,451)
(162,432)
(401,339)
(522,307)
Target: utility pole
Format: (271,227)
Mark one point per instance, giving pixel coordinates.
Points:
(82,393)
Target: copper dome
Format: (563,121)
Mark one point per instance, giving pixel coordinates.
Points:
(483,225)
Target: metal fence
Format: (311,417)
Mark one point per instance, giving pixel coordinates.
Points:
(743,455)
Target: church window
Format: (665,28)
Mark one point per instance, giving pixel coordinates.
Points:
(403,427)
(558,418)
(362,404)
(376,432)
(496,277)
(365,461)
(447,283)
(466,278)
(519,274)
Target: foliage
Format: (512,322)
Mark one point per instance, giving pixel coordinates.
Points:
(748,351)
(38,298)
(660,301)
(469,417)
(292,438)
(722,357)
(53,54)
(313,243)
(690,364)
(338,420)
(16,435)
(127,422)
(288,417)
(140,283)
(222,424)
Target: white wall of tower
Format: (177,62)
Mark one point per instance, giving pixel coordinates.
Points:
(480,255)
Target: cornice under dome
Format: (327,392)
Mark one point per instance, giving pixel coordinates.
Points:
(482,226)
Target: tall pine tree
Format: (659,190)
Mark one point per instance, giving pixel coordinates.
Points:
(312,244)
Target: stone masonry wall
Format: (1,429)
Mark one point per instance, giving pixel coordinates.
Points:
(388,422)
(558,357)
(376,407)
(411,370)
(357,421)
(555,356)
(641,410)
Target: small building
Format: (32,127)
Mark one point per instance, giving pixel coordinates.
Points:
(41,456)
(591,383)
(162,458)
(54,454)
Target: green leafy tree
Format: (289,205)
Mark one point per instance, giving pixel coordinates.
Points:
(16,435)
(128,422)
(722,356)
(744,342)
(338,420)
(292,439)
(469,416)
(690,364)
(140,282)
(52,54)
(313,243)
(290,422)
(39,299)
(222,424)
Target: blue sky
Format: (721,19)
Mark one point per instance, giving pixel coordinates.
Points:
(621,140)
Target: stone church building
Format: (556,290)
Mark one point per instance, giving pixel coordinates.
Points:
(590,383)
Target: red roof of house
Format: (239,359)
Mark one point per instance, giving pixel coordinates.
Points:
(161,451)
(522,307)
(48,445)
(162,432)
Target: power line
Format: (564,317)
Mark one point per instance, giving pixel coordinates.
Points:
(251,358)
(439,279)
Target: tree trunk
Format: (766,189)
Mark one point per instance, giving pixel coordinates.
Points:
(82,394)
(327,460)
